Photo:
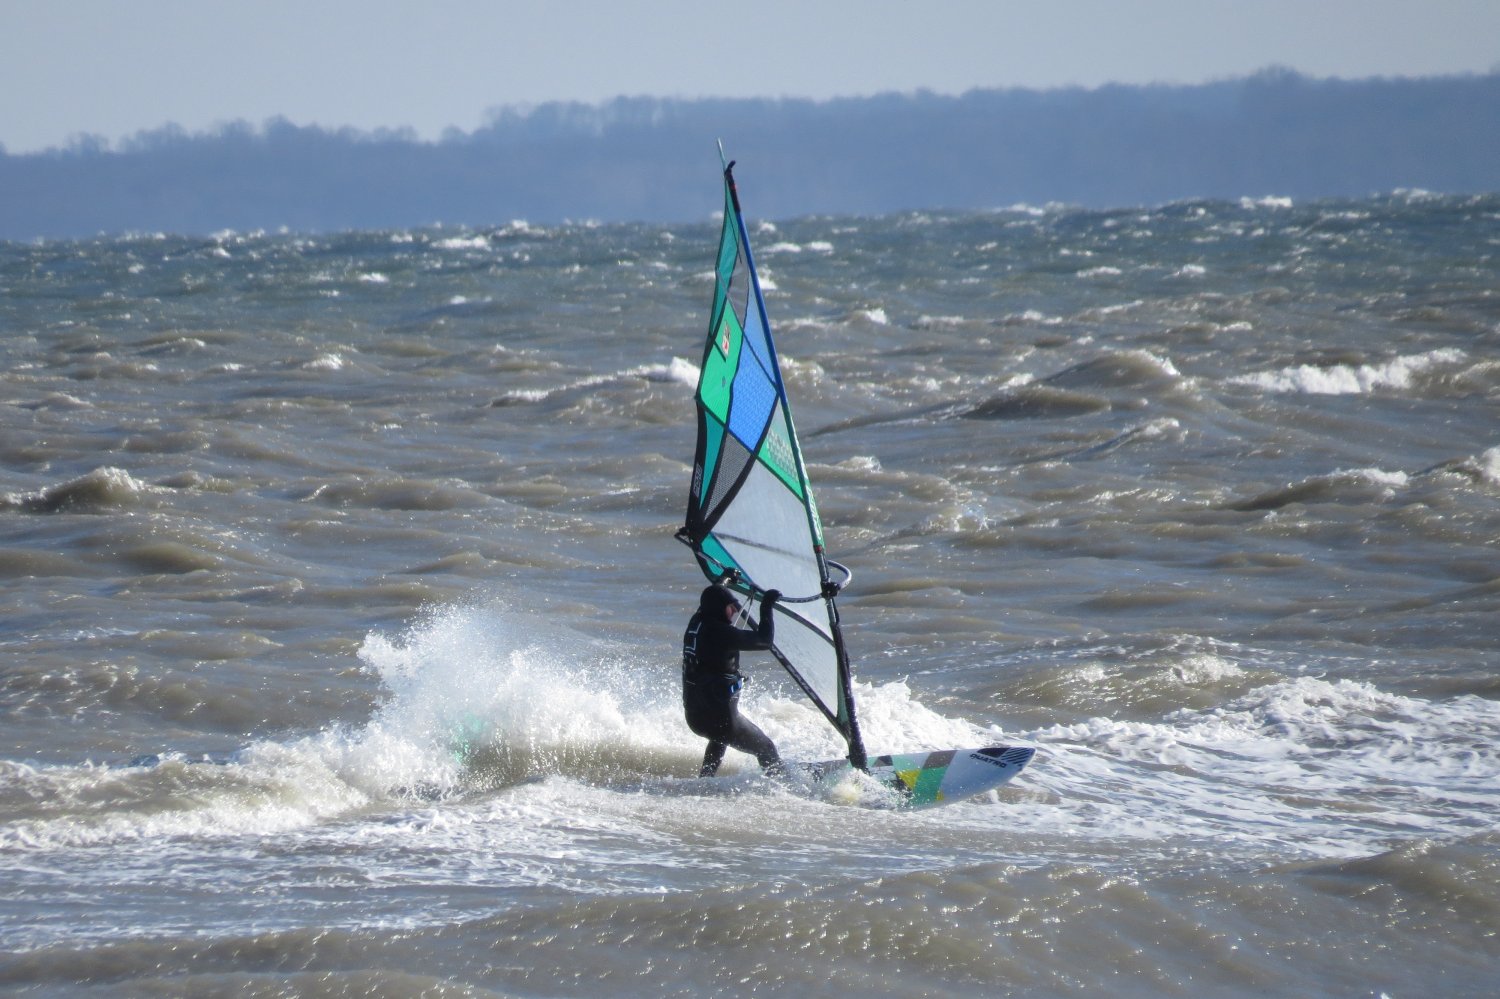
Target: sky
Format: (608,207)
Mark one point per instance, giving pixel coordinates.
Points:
(112,68)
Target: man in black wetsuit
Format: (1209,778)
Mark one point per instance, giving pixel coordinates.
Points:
(711,679)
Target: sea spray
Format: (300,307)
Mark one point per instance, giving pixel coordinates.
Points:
(484,696)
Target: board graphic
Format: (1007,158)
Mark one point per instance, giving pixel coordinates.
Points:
(938,777)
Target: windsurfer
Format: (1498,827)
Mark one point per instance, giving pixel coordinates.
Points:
(711,679)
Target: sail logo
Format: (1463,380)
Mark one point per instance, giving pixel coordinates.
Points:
(726,339)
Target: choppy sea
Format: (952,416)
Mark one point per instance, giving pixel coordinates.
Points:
(342,609)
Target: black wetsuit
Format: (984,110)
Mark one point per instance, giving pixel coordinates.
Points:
(711,682)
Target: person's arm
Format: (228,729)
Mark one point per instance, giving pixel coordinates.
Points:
(760,639)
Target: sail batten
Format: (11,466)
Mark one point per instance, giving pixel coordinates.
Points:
(751,518)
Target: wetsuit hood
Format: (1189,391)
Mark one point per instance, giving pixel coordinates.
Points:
(715,599)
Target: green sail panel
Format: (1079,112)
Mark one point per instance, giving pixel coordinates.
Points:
(751,511)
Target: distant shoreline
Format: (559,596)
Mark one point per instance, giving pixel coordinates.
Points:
(1276,133)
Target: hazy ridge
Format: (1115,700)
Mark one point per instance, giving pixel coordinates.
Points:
(643,159)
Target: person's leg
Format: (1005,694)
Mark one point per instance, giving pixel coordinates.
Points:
(712,757)
(710,715)
(747,737)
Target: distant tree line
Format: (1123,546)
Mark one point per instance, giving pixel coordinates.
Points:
(644,159)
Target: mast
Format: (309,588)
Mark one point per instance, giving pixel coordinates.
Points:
(857,758)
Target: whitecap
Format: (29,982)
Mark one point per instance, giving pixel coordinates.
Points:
(462,243)
(1032,211)
(1324,768)
(1489,465)
(678,370)
(941,322)
(1033,316)
(683,371)
(1343,379)
(1269,201)
(102,489)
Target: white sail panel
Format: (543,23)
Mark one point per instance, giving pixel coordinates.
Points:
(765,528)
(807,643)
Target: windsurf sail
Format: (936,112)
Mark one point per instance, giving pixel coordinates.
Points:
(752,521)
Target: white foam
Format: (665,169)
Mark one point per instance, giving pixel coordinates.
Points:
(1162,426)
(1378,477)
(678,371)
(1342,379)
(269,789)
(861,463)
(1162,364)
(1489,465)
(1269,201)
(815,246)
(1033,316)
(325,362)
(107,484)
(460,679)
(462,243)
(1303,766)
(521,685)
(942,322)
